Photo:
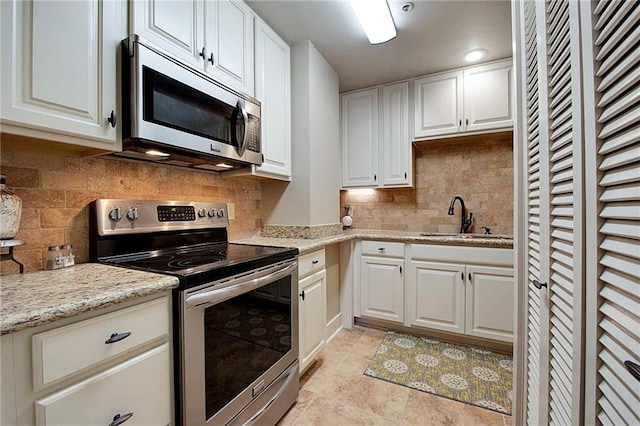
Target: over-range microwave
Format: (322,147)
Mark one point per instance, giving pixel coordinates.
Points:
(176,114)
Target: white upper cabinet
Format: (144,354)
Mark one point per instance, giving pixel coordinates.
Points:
(214,35)
(273,90)
(228,33)
(487,97)
(360,138)
(376,145)
(395,149)
(59,71)
(438,104)
(474,99)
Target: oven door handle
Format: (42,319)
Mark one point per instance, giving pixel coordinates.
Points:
(221,294)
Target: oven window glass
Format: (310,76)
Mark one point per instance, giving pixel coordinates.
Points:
(171,103)
(244,336)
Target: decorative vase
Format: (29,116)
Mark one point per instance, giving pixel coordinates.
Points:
(10,211)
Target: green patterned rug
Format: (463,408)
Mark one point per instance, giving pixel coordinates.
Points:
(471,375)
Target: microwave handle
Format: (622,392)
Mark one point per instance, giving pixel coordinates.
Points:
(242,146)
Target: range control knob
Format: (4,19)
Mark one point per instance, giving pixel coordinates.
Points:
(212,213)
(202,213)
(221,213)
(133,214)
(115,214)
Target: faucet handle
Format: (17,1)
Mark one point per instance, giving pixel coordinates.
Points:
(487,231)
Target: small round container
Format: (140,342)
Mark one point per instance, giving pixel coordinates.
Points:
(54,258)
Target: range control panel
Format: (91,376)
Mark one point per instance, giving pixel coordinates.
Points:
(122,216)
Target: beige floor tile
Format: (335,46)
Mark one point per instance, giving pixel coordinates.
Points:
(304,399)
(345,338)
(426,409)
(328,411)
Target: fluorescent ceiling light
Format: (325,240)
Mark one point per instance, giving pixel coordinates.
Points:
(157,153)
(375,18)
(475,55)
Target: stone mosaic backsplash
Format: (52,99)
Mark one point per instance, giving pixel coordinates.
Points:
(478,168)
(56,189)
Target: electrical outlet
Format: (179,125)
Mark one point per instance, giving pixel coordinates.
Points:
(231,211)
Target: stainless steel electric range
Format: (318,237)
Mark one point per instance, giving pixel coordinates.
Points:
(235,310)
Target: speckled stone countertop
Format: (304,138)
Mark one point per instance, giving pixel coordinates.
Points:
(37,298)
(308,245)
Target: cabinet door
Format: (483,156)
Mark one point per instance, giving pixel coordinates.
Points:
(489,302)
(59,70)
(140,386)
(382,288)
(488,102)
(173,25)
(273,90)
(360,138)
(438,105)
(229,43)
(312,317)
(436,296)
(395,151)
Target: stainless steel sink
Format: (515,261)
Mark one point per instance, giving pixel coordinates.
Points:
(458,235)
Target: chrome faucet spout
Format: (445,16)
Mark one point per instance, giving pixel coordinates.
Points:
(465,223)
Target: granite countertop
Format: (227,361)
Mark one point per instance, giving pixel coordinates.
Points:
(37,298)
(307,245)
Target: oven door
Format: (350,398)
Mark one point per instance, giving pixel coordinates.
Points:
(239,347)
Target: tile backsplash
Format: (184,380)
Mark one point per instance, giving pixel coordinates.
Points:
(56,189)
(478,168)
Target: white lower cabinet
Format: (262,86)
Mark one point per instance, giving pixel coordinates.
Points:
(137,390)
(381,281)
(312,306)
(446,292)
(102,367)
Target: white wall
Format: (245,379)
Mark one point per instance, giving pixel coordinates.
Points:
(313,195)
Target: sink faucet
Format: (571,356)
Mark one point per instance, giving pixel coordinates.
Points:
(465,223)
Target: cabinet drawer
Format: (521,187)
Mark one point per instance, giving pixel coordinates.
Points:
(63,351)
(310,262)
(140,386)
(383,248)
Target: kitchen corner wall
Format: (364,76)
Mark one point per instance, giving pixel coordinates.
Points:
(56,189)
(478,168)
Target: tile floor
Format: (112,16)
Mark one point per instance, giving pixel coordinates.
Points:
(334,391)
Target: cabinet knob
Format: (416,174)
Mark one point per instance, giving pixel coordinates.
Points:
(381,249)
(211,59)
(314,262)
(112,118)
(460,123)
(302,294)
(202,52)
(539,285)
(119,419)
(116,337)
(462,276)
(466,122)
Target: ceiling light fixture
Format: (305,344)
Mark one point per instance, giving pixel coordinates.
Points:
(376,20)
(475,55)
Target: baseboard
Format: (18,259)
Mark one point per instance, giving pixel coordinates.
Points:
(333,326)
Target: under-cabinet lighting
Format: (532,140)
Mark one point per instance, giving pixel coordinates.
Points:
(361,191)
(224,166)
(376,20)
(156,153)
(475,55)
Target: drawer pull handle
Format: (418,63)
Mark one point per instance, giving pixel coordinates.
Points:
(302,294)
(116,337)
(119,419)
(314,262)
(381,249)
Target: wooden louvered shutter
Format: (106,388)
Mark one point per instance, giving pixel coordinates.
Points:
(533,216)
(616,310)
(566,248)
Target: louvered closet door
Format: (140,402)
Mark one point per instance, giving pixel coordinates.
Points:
(535,190)
(617,66)
(566,248)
